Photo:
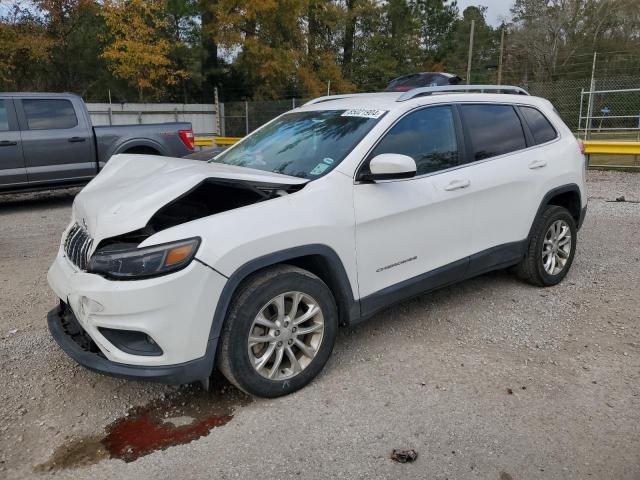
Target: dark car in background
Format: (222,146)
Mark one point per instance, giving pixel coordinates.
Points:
(47,141)
(422,79)
(207,153)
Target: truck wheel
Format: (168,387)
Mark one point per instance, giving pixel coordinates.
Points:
(552,247)
(279,332)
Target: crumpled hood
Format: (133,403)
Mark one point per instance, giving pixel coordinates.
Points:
(131,188)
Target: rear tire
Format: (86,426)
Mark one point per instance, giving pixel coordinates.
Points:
(552,246)
(279,332)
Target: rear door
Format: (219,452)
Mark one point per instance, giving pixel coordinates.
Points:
(12,168)
(56,141)
(506,175)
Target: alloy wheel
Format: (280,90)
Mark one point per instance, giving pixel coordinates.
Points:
(556,247)
(286,335)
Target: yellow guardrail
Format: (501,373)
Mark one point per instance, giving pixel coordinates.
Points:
(611,148)
(211,141)
(606,147)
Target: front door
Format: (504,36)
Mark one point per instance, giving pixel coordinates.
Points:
(412,235)
(12,170)
(56,143)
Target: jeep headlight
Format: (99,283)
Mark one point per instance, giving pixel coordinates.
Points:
(120,263)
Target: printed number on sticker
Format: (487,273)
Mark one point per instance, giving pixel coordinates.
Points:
(358,112)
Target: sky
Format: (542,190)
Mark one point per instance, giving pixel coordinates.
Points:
(497,9)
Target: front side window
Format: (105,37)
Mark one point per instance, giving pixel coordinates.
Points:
(4,117)
(494,130)
(428,136)
(47,114)
(303,144)
(540,127)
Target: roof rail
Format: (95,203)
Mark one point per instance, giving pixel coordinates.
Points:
(328,98)
(421,91)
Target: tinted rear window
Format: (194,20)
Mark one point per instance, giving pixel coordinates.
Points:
(420,80)
(406,83)
(494,130)
(540,127)
(49,114)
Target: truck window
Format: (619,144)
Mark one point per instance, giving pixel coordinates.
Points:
(494,130)
(46,114)
(4,117)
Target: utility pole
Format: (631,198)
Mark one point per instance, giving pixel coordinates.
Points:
(215,100)
(500,59)
(328,87)
(246,117)
(110,110)
(592,87)
(473,26)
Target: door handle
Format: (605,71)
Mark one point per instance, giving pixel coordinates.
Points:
(457,185)
(537,164)
(7,143)
(76,139)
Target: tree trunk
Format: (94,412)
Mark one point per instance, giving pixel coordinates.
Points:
(349,34)
(313,39)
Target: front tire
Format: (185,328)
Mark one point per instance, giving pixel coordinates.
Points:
(279,332)
(552,247)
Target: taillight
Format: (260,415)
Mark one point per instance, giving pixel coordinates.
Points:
(187,138)
(586,159)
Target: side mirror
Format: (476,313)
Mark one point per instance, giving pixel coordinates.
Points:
(390,166)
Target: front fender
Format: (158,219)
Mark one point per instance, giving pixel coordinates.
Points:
(343,295)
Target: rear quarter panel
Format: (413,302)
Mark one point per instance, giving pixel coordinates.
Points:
(570,160)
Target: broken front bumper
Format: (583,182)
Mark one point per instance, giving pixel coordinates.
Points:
(174,312)
(76,343)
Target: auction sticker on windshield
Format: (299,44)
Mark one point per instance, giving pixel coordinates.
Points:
(318,169)
(360,112)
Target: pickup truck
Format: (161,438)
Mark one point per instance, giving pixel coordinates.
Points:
(47,141)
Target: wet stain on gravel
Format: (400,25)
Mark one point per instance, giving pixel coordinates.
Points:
(179,418)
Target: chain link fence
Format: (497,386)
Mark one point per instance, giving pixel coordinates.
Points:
(611,109)
(563,94)
(240,118)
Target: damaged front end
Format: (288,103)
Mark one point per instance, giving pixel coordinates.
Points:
(117,214)
(120,258)
(214,196)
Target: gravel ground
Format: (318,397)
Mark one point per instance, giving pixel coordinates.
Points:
(488,379)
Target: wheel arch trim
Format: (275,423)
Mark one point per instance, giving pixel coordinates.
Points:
(334,262)
(570,187)
(139,142)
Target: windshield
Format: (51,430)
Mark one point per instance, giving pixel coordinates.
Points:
(303,144)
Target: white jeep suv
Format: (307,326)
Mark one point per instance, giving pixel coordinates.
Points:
(322,217)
